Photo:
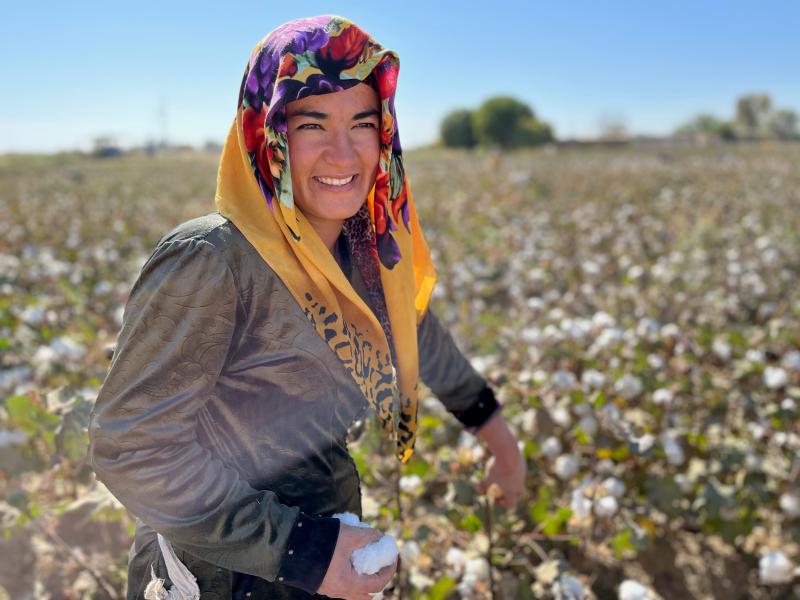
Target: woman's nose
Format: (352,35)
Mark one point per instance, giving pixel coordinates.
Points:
(340,149)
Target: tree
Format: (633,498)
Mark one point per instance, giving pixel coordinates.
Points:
(705,127)
(506,122)
(752,114)
(783,125)
(456,129)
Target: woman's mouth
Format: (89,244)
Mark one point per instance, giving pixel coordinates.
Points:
(336,183)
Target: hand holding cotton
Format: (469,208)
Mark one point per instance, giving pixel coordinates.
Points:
(373,557)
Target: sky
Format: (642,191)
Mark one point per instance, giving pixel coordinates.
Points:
(140,71)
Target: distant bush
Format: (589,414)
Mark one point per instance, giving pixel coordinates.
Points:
(456,129)
(500,121)
(705,127)
(531,133)
(497,120)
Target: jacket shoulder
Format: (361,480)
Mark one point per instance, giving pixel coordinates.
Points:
(213,228)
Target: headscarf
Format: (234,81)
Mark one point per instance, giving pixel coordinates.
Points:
(376,344)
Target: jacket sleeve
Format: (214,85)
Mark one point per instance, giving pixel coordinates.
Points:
(177,330)
(451,377)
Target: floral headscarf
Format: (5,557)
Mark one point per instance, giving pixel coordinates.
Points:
(378,344)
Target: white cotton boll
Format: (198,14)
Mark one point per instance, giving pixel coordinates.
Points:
(456,560)
(613,487)
(590,267)
(67,349)
(563,380)
(654,361)
(722,349)
(12,437)
(593,379)
(775,568)
(581,505)
(757,430)
(791,360)
(32,315)
(602,320)
(588,425)
(349,518)
(551,333)
(551,447)
(753,462)
(531,335)
(410,483)
(788,404)
(754,356)
(560,414)
(672,449)
(607,506)
(568,588)
(790,504)
(482,363)
(373,557)
(609,337)
(684,483)
(466,587)
(478,568)
(10,378)
(644,442)
(633,590)
(648,329)
(775,377)
(43,359)
(611,412)
(604,466)
(528,421)
(566,467)
(539,376)
(663,396)
(410,552)
(628,386)
(670,331)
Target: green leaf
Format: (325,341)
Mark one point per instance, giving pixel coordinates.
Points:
(556,521)
(416,466)
(541,508)
(599,399)
(25,414)
(471,523)
(623,543)
(441,589)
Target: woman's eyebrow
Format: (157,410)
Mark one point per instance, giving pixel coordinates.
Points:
(315,114)
(366,113)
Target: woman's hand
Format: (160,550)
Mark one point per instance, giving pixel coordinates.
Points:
(506,467)
(341,579)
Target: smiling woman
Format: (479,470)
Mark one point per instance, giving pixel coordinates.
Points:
(334,146)
(256,336)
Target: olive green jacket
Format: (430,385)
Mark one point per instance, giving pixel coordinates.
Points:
(222,421)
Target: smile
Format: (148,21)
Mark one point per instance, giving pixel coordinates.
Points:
(334,181)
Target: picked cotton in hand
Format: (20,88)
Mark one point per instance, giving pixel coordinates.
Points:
(373,557)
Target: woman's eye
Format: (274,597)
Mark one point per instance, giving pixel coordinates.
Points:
(367,125)
(309,126)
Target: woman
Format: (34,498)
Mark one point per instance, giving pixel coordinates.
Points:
(255,336)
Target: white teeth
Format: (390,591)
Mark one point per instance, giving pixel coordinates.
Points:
(331,181)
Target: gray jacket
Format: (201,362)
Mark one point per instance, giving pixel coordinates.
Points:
(222,421)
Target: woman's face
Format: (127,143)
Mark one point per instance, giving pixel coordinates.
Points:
(334,145)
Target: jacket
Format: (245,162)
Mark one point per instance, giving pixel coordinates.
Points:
(223,418)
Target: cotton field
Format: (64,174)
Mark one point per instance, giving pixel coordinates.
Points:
(637,310)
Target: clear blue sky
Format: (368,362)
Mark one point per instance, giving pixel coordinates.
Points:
(73,70)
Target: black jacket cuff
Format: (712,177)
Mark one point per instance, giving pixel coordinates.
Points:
(308,552)
(475,415)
